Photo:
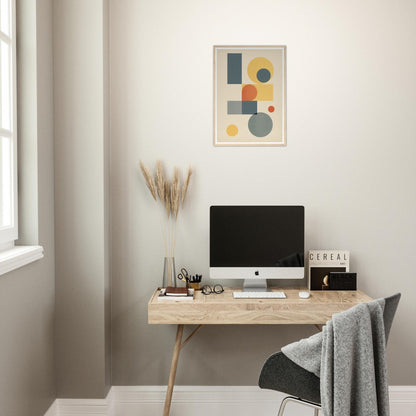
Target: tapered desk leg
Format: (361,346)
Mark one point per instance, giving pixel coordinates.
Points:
(173,367)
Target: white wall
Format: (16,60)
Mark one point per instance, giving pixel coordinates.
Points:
(349,160)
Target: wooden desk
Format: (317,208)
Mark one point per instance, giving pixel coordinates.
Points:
(223,309)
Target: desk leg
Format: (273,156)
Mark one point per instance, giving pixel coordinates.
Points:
(173,367)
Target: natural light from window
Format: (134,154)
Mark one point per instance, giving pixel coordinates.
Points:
(8,226)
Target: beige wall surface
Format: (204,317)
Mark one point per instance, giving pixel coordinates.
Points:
(27,295)
(351,100)
(81,199)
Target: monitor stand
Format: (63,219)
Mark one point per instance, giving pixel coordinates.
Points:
(255,285)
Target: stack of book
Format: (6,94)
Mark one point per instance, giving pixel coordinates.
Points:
(176,293)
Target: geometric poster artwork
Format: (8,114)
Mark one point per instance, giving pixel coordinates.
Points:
(249,95)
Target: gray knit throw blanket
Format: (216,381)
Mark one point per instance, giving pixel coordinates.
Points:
(349,356)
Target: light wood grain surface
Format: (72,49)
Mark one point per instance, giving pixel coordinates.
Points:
(224,309)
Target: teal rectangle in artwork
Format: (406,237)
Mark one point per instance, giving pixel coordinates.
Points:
(234,107)
(249,107)
(234,70)
(241,107)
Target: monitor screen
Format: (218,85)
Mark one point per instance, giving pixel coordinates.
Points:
(257,237)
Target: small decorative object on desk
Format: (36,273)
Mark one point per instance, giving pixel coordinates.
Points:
(169,271)
(176,291)
(176,294)
(342,281)
(171,195)
(322,263)
(191,281)
(217,289)
(184,276)
(195,281)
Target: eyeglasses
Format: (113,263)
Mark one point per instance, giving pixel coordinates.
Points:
(207,290)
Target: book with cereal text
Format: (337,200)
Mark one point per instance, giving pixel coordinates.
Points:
(322,262)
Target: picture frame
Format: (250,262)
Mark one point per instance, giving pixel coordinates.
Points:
(250,95)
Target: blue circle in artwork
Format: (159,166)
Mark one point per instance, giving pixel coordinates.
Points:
(260,124)
(263,75)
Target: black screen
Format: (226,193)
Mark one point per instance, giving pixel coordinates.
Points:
(257,236)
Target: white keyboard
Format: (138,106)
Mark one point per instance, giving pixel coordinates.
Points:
(259,295)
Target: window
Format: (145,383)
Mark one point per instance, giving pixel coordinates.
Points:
(8,140)
(11,256)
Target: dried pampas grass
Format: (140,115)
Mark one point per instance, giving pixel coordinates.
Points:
(171,196)
(160,181)
(166,199)
(149,180)
(186,184)
(175,193)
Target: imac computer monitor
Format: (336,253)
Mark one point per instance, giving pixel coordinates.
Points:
(256,243)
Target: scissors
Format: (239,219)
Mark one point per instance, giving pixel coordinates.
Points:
(184,275)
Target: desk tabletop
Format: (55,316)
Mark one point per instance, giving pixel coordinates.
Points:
(219,309)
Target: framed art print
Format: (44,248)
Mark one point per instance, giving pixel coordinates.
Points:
(249,95)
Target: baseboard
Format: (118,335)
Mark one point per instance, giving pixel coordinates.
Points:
(53,409)
(402,400)
(86,407)
(197,400)
(81,407)
(204,401)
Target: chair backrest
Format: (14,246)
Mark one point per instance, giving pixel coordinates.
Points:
(389,311)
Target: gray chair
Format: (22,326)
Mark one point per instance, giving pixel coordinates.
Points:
(282,374)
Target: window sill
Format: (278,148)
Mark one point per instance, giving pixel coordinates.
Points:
(19,256)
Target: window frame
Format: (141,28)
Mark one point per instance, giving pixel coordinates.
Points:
(14,256)
(8,234)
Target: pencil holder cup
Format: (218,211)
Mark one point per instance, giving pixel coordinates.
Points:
(195,285)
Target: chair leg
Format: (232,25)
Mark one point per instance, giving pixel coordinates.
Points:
(315,406)
(283,405)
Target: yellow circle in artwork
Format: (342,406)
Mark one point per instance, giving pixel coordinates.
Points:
(255,65)
(232,130)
